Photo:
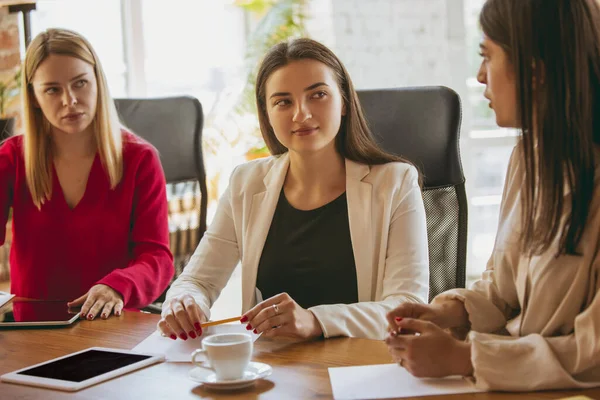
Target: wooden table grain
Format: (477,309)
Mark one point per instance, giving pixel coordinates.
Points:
(299,369)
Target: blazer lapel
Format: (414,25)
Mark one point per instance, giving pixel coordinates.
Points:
(260,217)
(359,194)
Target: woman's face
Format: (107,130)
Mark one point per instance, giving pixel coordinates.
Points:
(304,106)
(497,74)
(66,91)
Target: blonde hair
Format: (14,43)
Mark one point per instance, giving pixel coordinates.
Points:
(106,125)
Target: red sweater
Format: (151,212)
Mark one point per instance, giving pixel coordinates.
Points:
(118,237)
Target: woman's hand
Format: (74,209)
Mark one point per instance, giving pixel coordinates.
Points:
(181,316)
(430,352)
(280,315)
(444,313)
(100,298)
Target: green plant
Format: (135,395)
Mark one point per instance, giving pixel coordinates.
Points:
(233,116)
(281,20)
(8,90)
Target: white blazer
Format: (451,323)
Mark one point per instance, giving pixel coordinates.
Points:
(387,228)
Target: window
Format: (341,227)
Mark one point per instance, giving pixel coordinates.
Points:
(489,152)
(193,47)
(99,22)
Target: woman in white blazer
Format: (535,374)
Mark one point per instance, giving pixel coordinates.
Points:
(330,230)
(534,317)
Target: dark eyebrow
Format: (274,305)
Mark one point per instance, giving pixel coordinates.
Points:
(311,87)
(72,79)
(316,85)
(482,46)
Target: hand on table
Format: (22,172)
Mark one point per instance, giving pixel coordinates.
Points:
(280,315)
(181,316)
(445,314)
(99,299)
(429,352)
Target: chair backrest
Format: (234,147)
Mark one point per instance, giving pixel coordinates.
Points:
(422,124)
(174,126)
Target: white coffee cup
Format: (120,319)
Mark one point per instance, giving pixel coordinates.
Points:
(228,354)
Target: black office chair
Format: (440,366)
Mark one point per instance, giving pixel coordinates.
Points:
(174,126)
(422,124)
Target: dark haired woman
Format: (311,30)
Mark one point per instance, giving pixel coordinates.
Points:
(330,230)
(534,317)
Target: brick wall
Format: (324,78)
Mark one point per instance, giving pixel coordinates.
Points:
(392,43)
(10,52)
(10,57)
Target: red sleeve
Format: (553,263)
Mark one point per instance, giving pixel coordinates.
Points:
(149,272)
(8,161)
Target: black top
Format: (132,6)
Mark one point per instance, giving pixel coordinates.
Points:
(308,254)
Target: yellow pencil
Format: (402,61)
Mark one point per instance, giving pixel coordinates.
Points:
(219,322)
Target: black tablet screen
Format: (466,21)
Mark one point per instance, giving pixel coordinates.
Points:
(86,365)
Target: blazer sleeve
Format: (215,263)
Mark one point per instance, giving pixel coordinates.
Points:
(493,300)
(214,260)
(406,270)
(534,362)
(150,270)
(530,362)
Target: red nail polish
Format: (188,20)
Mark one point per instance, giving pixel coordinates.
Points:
(200,332)
(173,336)
(398,319)
(183,336)
(243,319)
(192,335)
(104,316)
(90,316)
(118,313)
(255,331)
(198,326)
(248,327)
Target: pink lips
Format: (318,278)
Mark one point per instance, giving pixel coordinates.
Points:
(73,116)
(305,131)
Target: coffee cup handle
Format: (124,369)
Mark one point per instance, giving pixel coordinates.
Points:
(200,364)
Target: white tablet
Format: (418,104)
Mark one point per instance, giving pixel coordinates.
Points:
(82,369)
(37,313)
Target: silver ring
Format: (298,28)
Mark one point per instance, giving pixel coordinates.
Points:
(276,308)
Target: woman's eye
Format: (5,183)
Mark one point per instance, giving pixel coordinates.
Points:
(80,83)
(319,95)
(51,90)
(282,102)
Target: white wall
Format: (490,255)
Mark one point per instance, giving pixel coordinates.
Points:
(390,43)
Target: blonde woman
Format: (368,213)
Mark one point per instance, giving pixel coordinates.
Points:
(89,201)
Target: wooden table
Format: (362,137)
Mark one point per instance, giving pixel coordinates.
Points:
(299,369)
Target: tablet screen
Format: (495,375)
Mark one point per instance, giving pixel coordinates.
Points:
(83,366)
(36,311)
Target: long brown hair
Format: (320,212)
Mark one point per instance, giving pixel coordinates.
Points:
(107,128)
(554,48)
(354,141)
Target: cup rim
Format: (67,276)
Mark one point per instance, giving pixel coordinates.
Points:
(242,338)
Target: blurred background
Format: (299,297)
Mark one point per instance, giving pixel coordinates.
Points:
(209,49)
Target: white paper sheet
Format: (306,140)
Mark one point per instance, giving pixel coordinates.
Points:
(5,297)
(386,381)
(181,350)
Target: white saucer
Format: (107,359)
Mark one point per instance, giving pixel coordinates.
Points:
(208,378)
